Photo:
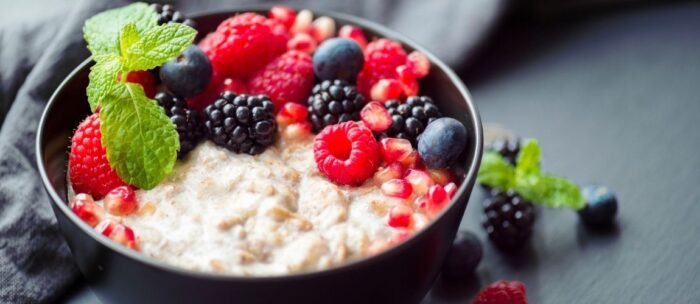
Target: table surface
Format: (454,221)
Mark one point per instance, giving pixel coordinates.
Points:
(613,99)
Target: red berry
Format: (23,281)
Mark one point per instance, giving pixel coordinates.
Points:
(394,149)
(85,208)
(105,227)
(392,171)
(233,85)
(243,44)
(502,292)
(397,188)
(354,33)
(418,64)
(323,28)
(451,189)
(217,84)
(386,89)
(298,130)
(375,116)
(124,235)
(382,57)
(145,79)
(400,216)
(302,42)
(121,201)
(419,180)
(346,153)
(285,15)
(88,167)
(292,112)
(303,22)
(288,78)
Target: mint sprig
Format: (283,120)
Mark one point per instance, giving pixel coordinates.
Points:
(528,180)
(140,140)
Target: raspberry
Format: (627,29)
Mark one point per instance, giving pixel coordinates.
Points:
(382,57)
(243,44)
(502,292)
(217,85)
(89,169)
(145,79)
(288,78)
(346,153)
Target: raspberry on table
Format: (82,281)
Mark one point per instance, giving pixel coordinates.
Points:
(288,78)
(332,102)
(409,119)
(241,123)
(88,168)
(167,14)
(508,219)
(187,122)
(502,292)
(382,57)
(346,153)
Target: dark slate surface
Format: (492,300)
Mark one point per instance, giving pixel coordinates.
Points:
(613,99)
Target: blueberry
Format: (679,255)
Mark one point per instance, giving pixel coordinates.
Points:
(188,74)
(442,142)
(465,255)
(601,206)
(338,58)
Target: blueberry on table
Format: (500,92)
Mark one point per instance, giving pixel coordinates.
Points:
(188,74)
(338,58)
(442,142)
(465,255)
(601,206)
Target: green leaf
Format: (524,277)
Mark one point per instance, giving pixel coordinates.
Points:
(496,172)
(550,191)
(127,37)
(528,161)
(101,32)
(158,45)
(140,140)
(103,77)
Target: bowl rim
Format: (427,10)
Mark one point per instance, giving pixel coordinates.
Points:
(473,163)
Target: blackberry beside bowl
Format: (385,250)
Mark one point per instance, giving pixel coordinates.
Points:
(401,274)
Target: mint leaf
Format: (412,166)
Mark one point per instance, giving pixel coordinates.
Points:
(528,161)
(127,37)
(496,172)
(101,32)
(550,191)
(158,45)
(103,76)
(140,140)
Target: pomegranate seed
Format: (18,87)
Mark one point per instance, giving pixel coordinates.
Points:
(298,130)
(121,201)
(409,82)
(411,160)
(124,235)
(303,22)
(105,227)
(437,199)
(394,149)
(354,33)
(400,216)
(397,188)
(375,116)
(401,235)
(420,181)
(451,189)
(419,221)
(421,202)
(302,42)
(418,64)
(285,15)
(292,112)
(392,171)
(323,28)
(86,209)
(386,89)
(441,176)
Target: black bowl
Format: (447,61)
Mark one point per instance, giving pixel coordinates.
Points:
(402,274)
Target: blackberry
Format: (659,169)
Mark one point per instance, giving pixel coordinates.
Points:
(508,219)
(167,14)
(241,123)
(187,121)
(509,149)
(409,119)
(332,102)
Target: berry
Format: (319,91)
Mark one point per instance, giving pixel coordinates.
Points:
(283,14)
(409,119)
(442,142)
(332,102)
(187,122)
(509,149)
(400,216)
(288,78)
(88,167)
(242,45)
(395,149)
(420,181)
(508,219)
(382,57)
(302,42)
(375,116)
(338,58)
(323,28)
(354,33)
(188,74)
(346,153)
(601,206)
(233,85)
(85,208)
(465,255)
(145,79)
(217,85)
(241,123)
(397,188)
(291,113)
(392,171)
(121,201)
(502,292)
(167,14)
